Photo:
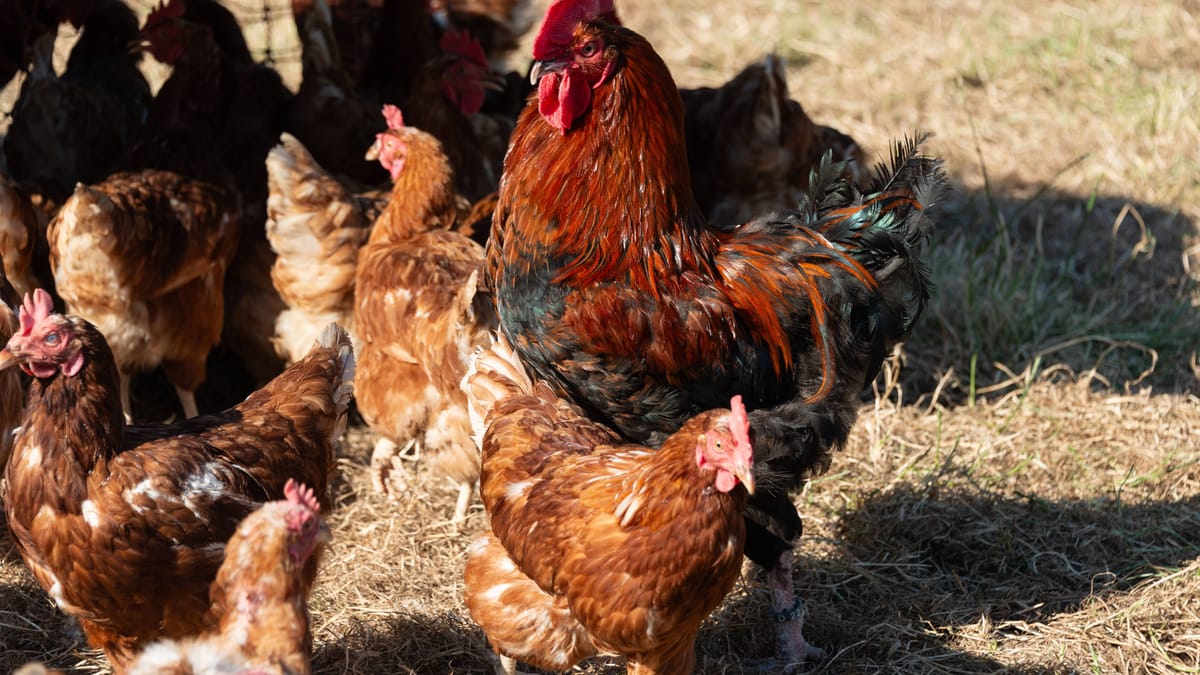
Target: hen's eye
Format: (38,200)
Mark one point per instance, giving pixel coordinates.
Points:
(588,49)
(52,339)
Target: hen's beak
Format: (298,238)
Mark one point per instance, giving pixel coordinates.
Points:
(745,473)
(7,359)
(540,68)
(372,152)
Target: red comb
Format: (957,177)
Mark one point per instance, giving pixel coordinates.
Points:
(561,18)
(460,43)
(298,493)
(166,10)
(34,309)
(739,424)
(395,120)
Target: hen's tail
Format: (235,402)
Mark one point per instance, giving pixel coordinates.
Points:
(496,373)
(316,227)
(291,425)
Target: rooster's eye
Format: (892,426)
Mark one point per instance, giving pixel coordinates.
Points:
(52,339)
(589,49)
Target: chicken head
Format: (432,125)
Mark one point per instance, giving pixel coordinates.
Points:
(46,342)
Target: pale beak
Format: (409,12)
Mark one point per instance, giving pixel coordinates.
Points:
(372,152)
(540,68)
(745,473)
(7,359)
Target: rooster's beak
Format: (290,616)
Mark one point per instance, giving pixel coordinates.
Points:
(540,68)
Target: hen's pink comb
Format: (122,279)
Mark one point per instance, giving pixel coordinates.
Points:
(34,309)
(166,10)
(395,120)
(298,493)
(460,43)
(739,426)
(561,18)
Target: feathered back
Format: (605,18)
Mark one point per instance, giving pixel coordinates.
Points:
(12,391)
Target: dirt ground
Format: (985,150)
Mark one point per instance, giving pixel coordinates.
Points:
(1022,492)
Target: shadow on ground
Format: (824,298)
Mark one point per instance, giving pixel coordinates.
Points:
(1100,283)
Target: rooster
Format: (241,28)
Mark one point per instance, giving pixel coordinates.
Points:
(419,316)
(613,287)
(597,545)
(125,526)
(143,256)
(260,595)
(446,97)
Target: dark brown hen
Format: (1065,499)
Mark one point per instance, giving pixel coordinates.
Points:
(125,526)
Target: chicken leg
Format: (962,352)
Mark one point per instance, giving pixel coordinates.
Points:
(788,610)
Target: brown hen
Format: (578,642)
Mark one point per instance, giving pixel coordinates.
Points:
(419,317)
(143,257)
(125,526)
(599,546)
(260,595)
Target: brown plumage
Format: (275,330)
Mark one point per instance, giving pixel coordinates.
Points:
(125,527)
(613,287)
(419,317)
(752,148)
(598,546)
(23,251)
(215,119)
(260,595)
(12,389)
(143,256)
(316,226)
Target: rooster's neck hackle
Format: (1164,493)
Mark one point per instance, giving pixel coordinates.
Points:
(628,145)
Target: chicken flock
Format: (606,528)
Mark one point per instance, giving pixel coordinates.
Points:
(637,359)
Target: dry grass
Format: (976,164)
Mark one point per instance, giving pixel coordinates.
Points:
(1023,495)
